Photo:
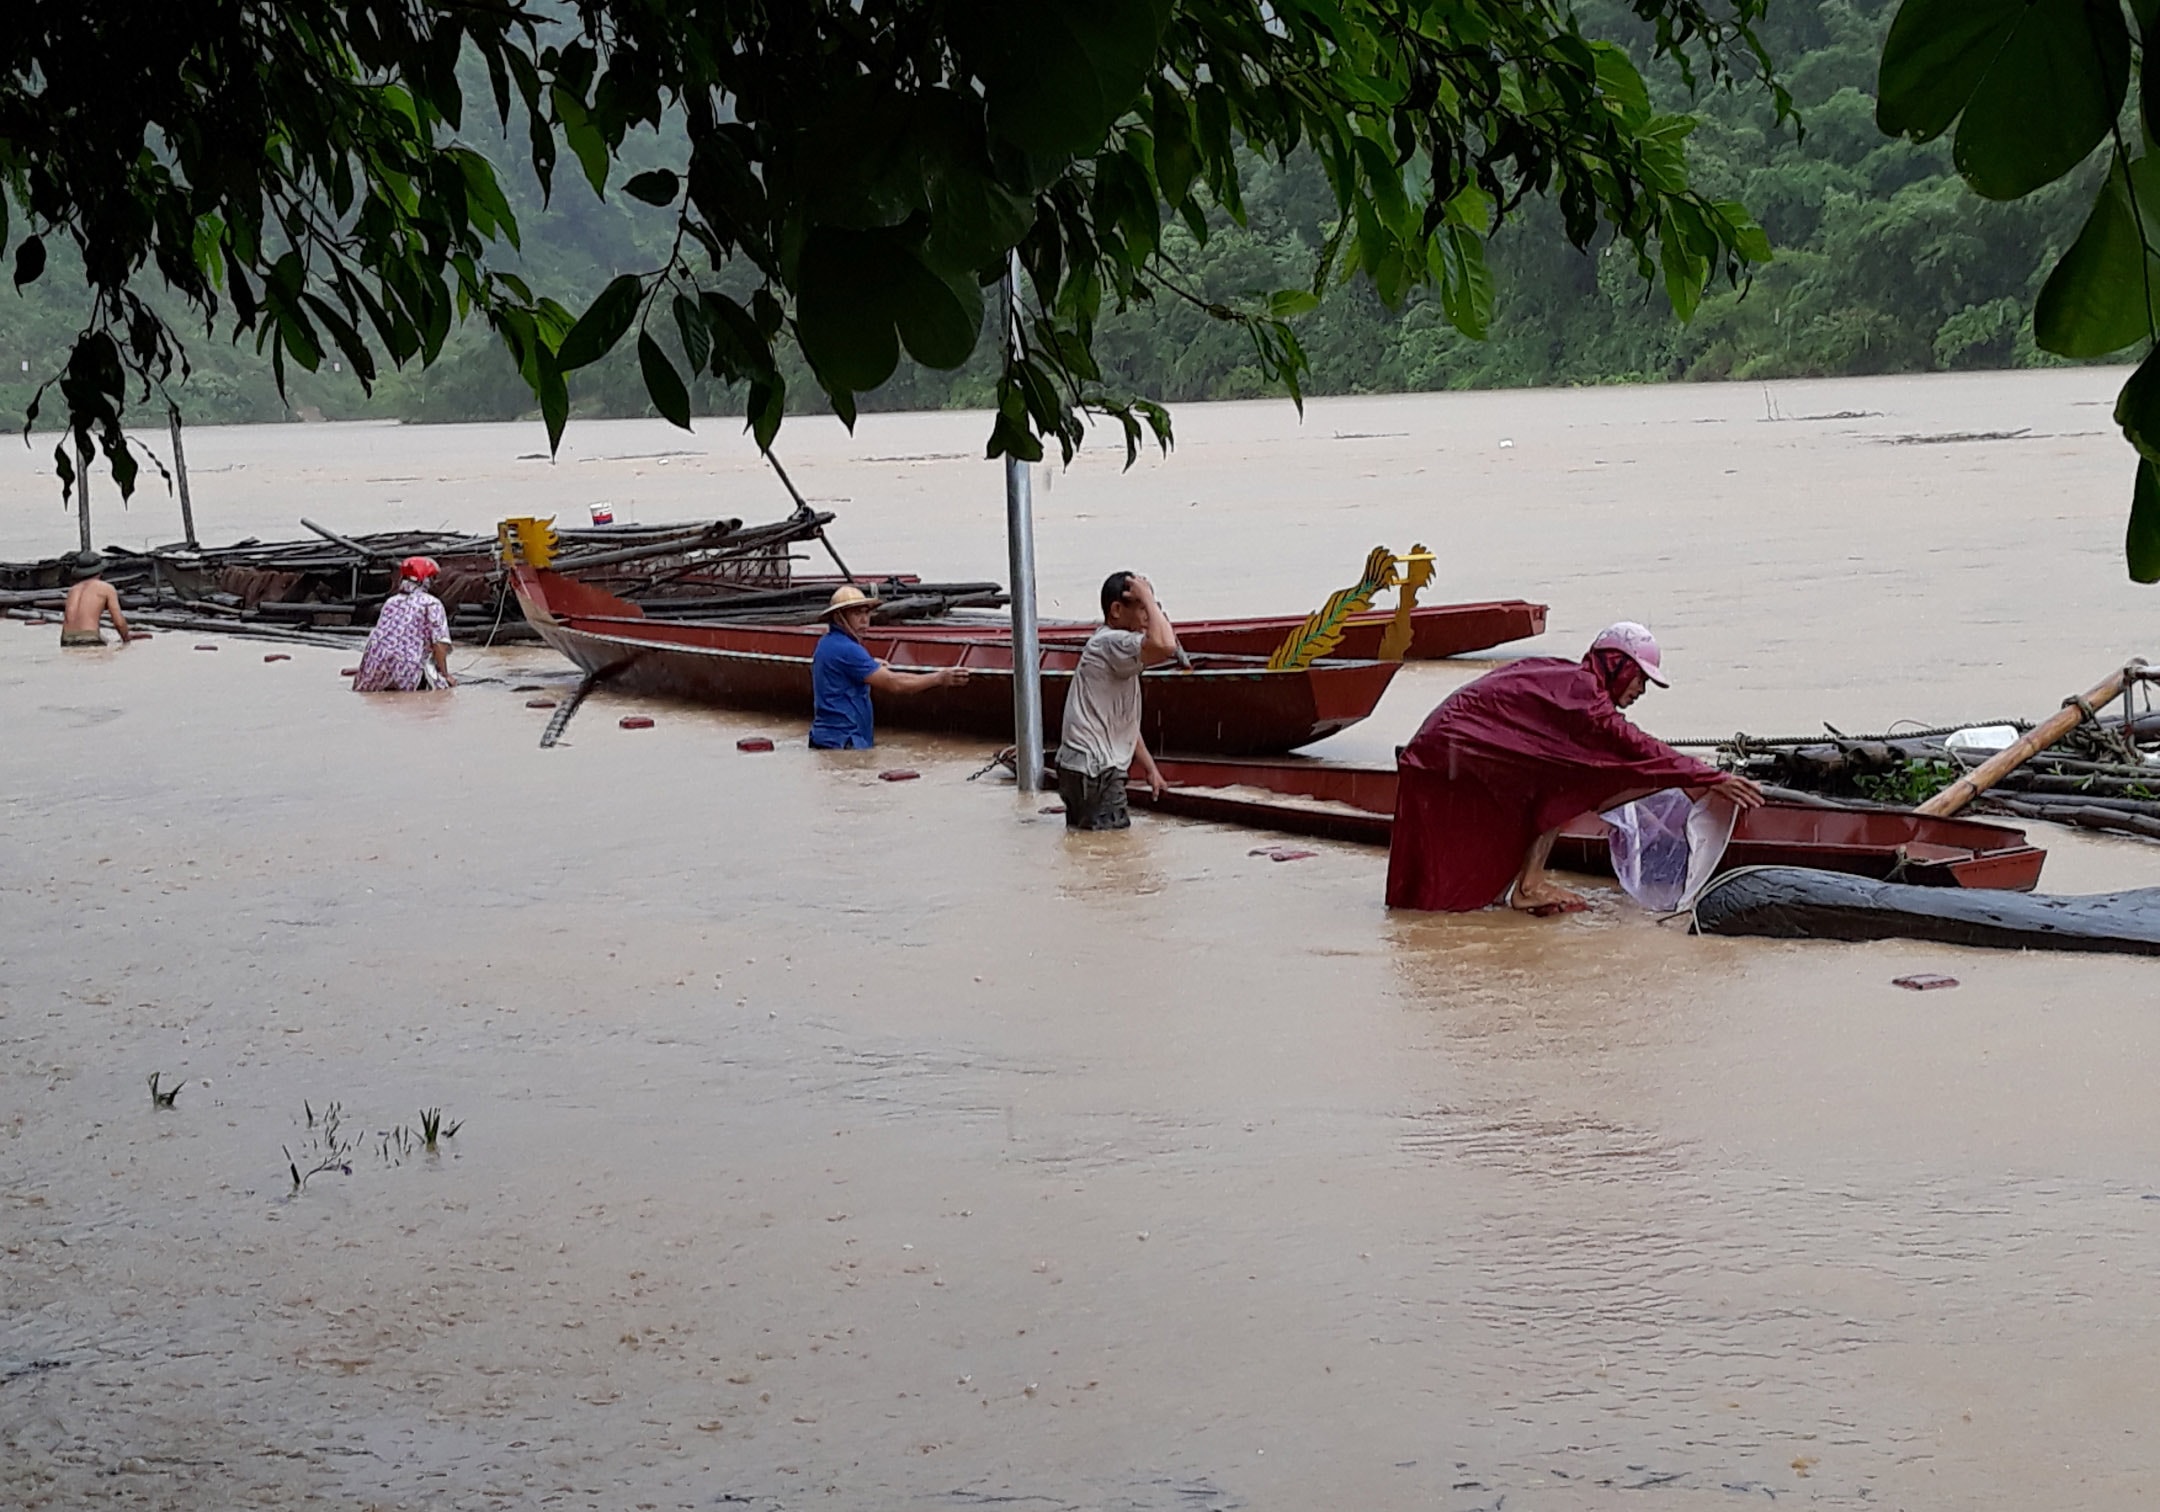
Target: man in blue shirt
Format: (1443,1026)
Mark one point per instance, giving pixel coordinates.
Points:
(843,673)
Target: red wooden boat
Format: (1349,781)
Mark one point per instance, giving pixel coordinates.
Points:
(1228,704)
(1437,631)
(1358,804)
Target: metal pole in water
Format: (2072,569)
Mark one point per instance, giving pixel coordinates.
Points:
(179,462)
(82,489)
(1020,547)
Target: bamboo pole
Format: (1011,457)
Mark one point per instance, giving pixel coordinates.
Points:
(179,460)
(2050,730)
(82,484)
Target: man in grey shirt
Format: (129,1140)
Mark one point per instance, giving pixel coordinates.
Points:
(1101,734)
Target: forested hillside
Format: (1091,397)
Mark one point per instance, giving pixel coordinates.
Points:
(1885,263)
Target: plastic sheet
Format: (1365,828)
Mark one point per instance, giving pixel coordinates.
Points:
(1666,847)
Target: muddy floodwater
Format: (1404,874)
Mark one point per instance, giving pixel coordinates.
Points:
(831,1142)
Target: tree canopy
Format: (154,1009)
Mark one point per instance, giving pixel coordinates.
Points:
(849,178)
(2033,90)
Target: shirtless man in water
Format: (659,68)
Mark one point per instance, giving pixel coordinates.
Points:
(88,602)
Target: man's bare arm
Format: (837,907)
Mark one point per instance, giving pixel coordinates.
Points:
(886,680)
(112,607)
(1149,772)
(1158,643)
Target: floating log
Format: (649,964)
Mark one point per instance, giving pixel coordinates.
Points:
(1794,903)
(2086,816)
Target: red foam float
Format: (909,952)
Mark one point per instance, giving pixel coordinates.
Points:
(636,721)
(277,656)
(898,774)
(754,743)
(539,703)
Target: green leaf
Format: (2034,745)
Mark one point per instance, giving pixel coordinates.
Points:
(2141,542)
(1057,73)
(939,318)
(1284,303)
(484,196)
(2100,297)
(766,409)
(1683,273)
(554,405)
(29,260)
(1933,59)
(697,342)
(602,324)
(657,187)
(843,307)
(1385,180)
(1621,85)
(974,220)
(2047,100)
(2137,407)
(1466,283)
(584,138)
(1177,160)
(1748,239)
(740,347)
(662,382)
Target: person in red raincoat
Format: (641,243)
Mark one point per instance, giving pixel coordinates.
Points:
(1506,761)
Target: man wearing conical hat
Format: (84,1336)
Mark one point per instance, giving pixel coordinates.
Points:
(1505,762)
(843,674)
(88,604)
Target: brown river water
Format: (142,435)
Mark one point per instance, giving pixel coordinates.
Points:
(829,1142)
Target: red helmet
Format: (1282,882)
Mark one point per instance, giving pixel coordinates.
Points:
(419,568)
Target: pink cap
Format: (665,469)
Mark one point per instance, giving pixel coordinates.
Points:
(1640,645)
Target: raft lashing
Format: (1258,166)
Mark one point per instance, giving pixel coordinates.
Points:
(2102,773)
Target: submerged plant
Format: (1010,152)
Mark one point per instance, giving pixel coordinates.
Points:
(163,1098)
(327,1148)
(432,1128)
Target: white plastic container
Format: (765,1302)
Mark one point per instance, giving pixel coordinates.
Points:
(1975,745)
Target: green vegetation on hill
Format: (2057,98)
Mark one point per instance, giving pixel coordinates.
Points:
(1885,263)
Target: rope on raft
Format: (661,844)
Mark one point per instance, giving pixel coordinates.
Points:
(1830,736)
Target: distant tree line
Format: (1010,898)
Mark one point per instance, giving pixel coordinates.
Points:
(1885,263)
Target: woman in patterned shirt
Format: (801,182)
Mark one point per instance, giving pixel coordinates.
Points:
(410,648)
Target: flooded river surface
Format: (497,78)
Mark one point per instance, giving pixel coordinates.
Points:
(830,1142)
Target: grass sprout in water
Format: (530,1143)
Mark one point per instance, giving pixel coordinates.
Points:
(402,1141)
(163,1097)
(432,1128)
(327,1148)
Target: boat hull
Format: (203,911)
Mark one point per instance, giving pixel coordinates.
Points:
(1223,705)
(1437,631)
(1357,804)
